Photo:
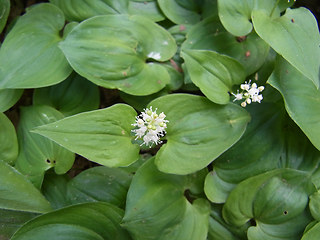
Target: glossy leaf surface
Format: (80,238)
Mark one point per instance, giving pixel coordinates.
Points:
(236,15)
(181,12)
(17,193)
(72,223)
(257,151)
(8,97)
(8,140)
(37,153)
(301,98)
(37,42)
(276,200)
(170,216)
(102,136)
(251,51)
(79,10)
(148,9)
(313,233)
(213,73)
(198,131)
(112,50)
(295,36)
(100,184)
(74,95)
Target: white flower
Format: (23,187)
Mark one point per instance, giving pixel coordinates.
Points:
(238,96)
(250,93)
(150,127)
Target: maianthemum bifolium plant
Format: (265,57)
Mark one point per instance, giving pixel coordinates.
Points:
(217,135)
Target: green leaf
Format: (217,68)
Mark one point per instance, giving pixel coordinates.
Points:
(8,140)
(72,223)
(37,41)
(289,230)
(74,95)
(4,13)
(170,216)
(11,221)
(313,233)
(198,131)
(60,232)
(149,9)
(301,98)
(114,54)
(219,229)
(100,184)
(236,15)
(216,189)
(277,201)
(8,97)
(295,36)
(38,154)
(54,188)
(140,102)
(102,136)
(181,12)
(209,34)
(314,205)
(213,73)
(258,150)
(271,141)
(17,193)
(79,10)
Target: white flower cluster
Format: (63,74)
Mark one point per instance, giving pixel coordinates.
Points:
(150,127)
(250,93)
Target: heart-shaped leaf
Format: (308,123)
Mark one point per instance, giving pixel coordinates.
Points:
(102,136)
(236,15)
(8,97)
(271,140)
(170,216)
(301,98)
(8,140)
(277,201)
(251,51)
(295,36)
(114,54)
(4,13)
(72,223)
(17,193)
(37,41)
(198,131)
(38,154)
(74,95)
(258,150)
(213,73)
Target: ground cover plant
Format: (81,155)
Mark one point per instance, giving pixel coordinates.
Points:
(159,119)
